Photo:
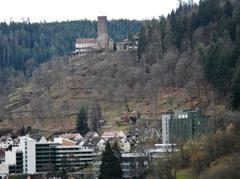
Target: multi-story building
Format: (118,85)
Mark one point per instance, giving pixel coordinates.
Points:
(161,151)
(13,162)
(73,157)
(183,125)
(45,156)
(165,128)
(132,165)
(28,147)
(32,157)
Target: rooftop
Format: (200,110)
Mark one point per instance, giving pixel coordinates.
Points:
(92,142)
(86,40)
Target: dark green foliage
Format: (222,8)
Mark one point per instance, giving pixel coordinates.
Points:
(20,42)
(119,29)
(117,151)
(187,28)
(235,91)
(142,42)
(228,9)
(209,11)
(115,47)
(111,163)
(216,65)
(236,50)
(163,32)
(22,131)
(82,124)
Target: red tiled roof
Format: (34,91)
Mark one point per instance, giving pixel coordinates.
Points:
(86,40)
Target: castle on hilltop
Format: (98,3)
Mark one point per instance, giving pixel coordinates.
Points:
(87,45)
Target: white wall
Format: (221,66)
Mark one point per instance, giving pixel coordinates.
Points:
(4,169)
(101,145)
(86,45)
(125,145)
(10,156)
(28,147)
(165,128)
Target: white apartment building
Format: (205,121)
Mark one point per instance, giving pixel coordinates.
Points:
(32,157)
(165,128)
(28,147)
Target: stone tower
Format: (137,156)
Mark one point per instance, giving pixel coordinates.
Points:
(102,39)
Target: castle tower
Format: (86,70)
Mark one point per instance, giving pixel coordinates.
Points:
(102,39)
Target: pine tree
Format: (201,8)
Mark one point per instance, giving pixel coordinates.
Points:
(235,91)
(228,9)
(111,163)
(82,125)
(141,43)
(114,47)
(117,151)
(118,160)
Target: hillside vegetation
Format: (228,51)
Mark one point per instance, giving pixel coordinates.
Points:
(187,60)
(25,45)
(196,48)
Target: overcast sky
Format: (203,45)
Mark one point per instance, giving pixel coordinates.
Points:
(61,10)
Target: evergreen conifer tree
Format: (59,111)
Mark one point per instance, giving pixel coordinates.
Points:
(228,9)
(114,46)
(235,91)
(111,163)
(82,125)
(142,42)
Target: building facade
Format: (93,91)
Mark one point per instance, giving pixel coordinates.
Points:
(165,128)
(13,163)
(32,157)
(132,165)
(28,147)
(90,45)
(187,125)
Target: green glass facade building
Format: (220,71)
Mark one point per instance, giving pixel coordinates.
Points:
(186,125)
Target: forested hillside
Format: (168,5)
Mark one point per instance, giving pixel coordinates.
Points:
(196,46)
(187,60)
(23,46)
